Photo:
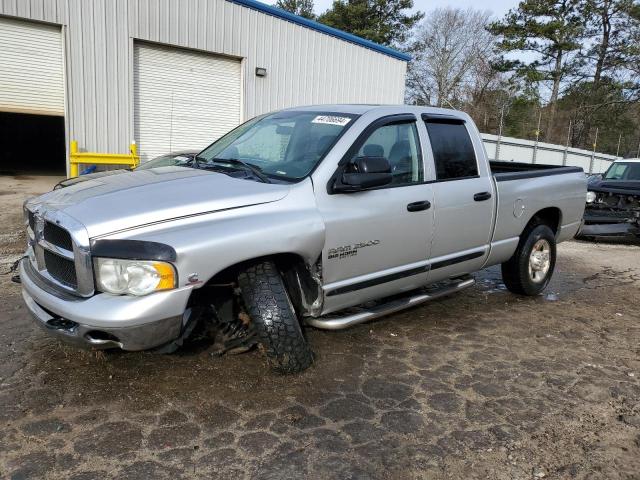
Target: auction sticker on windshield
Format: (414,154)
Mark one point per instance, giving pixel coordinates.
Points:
(331,120)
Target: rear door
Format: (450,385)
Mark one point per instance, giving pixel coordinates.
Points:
(463,198)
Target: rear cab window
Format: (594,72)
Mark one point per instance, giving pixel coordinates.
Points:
(453,152)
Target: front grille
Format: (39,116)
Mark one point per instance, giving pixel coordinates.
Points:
(57,236)
(606,213)
(615,214)
(62,269)
(56,258)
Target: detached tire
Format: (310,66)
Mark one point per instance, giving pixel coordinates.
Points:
(274,318)
(529,270)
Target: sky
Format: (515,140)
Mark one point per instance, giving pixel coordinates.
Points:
(497,7)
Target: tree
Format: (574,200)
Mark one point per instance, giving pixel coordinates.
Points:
(616,119)
(607,77)
(634,36)
(551,30)
(521,119)
(382,21)
(610,27)
(452,58)
(304,8)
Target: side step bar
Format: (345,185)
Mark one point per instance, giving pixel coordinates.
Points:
(364,314)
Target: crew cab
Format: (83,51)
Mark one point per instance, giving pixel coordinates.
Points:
(322,216)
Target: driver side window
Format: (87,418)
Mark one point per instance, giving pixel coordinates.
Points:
(399,144)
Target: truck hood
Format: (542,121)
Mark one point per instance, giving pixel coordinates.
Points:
(622,187)
(132,199)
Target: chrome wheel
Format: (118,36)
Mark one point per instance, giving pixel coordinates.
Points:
(540,261)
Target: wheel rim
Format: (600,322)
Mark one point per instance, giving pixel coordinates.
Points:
(540,261)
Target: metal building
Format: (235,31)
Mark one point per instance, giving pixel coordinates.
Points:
(168,74)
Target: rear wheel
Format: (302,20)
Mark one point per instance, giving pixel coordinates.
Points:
(274,318)
(529,270)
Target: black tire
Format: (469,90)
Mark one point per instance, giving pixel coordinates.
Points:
(274,318)
(515,271)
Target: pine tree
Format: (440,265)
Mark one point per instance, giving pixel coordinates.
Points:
(382,21)
(610,26)
(608,77)
(552,31)
(304,8)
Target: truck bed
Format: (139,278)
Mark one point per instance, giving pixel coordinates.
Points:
(505,171)
(523,189)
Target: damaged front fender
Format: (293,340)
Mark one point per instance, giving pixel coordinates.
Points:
(304,285)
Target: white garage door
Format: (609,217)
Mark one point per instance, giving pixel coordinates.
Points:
(31,68)
(183,100)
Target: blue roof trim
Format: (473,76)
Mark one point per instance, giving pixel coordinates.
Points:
(334,32)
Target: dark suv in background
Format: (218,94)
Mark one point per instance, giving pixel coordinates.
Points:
(613,202)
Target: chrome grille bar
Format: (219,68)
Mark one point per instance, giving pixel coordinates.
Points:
(62,232)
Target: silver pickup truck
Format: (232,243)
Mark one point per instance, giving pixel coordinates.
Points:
(325,216)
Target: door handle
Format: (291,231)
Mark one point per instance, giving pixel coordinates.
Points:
(418,206)
(482,196)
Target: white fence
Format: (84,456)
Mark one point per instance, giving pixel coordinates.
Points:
(508,149)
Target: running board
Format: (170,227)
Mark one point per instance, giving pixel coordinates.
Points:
(364,314)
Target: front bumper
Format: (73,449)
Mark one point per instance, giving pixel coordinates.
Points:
(609,230)
(103,320)
(602,223)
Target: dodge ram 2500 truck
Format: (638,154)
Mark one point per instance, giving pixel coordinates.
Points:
(325,216)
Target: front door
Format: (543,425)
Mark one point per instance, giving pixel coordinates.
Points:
(377,241)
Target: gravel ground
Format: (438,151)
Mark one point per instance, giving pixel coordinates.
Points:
(479,385)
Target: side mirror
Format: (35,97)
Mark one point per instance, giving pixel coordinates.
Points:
(363,173)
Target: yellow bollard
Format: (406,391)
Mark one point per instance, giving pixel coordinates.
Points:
(133,149)
(73,167)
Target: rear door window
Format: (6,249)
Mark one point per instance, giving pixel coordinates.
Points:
(453,151)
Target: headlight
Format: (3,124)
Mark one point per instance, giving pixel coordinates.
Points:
(591,197)
(133,277)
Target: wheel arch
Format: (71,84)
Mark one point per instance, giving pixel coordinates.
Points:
(517,270)
(301,278)
(550,216)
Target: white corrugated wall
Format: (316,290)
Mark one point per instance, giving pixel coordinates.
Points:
(303,66)
(520,150)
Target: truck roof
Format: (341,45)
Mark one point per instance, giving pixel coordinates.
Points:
(359,109)
(629,160)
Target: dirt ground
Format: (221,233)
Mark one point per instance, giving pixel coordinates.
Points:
(484,384)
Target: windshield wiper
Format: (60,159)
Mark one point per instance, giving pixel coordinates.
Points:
(254,169)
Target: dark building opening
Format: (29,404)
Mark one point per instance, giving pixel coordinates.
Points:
(32,144)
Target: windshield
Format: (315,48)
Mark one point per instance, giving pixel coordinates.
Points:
(623,171)
(285,145)
(180,160)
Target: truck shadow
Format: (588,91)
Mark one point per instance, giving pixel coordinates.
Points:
(95,377)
